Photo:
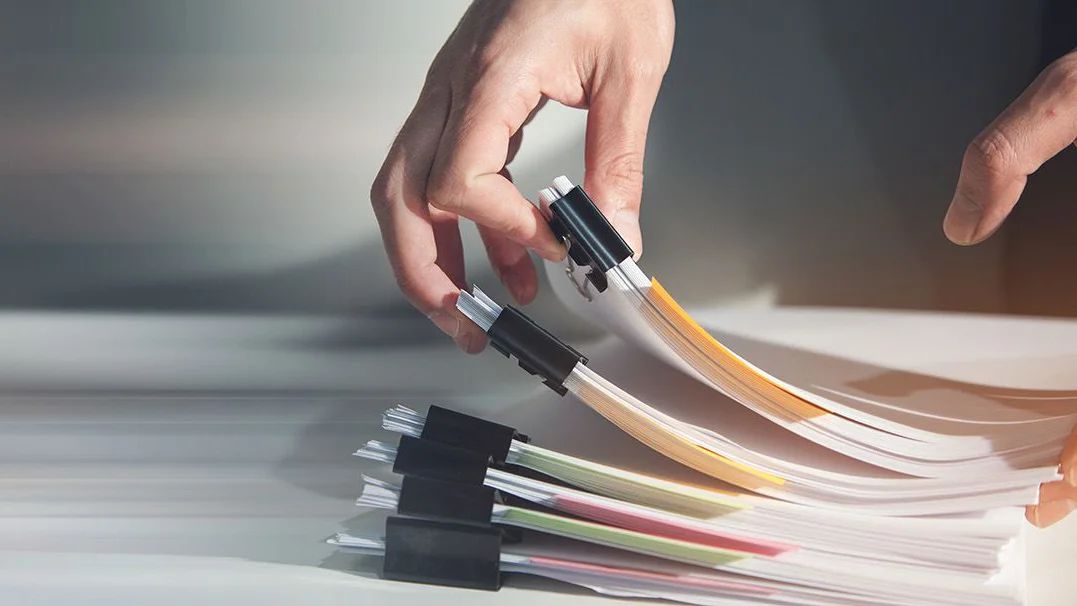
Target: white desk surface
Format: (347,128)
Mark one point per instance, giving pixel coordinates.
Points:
(192,460)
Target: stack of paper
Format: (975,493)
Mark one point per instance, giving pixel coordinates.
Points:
(730,449)
(850,498)
(625,533)
(946,457)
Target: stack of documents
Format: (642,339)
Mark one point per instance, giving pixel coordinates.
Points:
(941,457)
(625,533)
(842,497)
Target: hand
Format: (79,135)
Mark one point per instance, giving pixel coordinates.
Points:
(1038,125)
(1057,499)
(500,64)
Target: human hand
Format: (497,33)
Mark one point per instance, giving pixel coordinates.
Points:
(449,160)
(1058,499)
(1032,130)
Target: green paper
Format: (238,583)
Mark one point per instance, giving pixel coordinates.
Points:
(611,536)
(628,486)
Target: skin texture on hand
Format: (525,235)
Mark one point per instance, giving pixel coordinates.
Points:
(500,64)
(1033,129)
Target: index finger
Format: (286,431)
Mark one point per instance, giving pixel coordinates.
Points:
(423,249)
(996,166)
(466,178)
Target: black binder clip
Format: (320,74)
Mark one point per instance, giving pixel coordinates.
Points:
(440,461)
(446,482)
(535,349)
(592,240)
(442,553)
(465,431)
(446,501)
(485,437)
(516,336)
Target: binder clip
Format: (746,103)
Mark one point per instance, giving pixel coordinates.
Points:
(465,431)
(516,336)
(446,482)
(446,501)
(442,553)
(534,348)
(439,461)
(592,241)
(492,439)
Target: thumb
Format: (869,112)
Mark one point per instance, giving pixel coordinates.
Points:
(618,115)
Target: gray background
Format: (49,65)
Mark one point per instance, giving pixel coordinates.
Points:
(216,156)
(198,324)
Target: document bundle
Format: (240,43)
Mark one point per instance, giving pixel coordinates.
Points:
(838,498)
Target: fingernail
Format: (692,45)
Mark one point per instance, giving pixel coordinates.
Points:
(448,323)
(520,288)
(553,252)
(470,343)
(464,342)
(962,220)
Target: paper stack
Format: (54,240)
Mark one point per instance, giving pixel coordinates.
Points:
(848,499)
(629,534)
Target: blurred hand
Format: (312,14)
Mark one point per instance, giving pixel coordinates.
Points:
(1038,125)
(503,61)
(1058,499)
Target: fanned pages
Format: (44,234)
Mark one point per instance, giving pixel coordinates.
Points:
(830,481)
(895,461)
(849,477)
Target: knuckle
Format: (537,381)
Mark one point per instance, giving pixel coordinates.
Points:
(436,72)
(523,97)
(487,58)
(522,227)
(446,190)
(501,52)
(379,194)
(408,283)
(488,66)
(508,93)
(994,151)
(623,173)
(516,225)
(1064,74)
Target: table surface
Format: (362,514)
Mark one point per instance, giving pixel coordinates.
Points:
(159,459)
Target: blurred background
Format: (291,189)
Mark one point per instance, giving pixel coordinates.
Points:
(205,156)
(199,325)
